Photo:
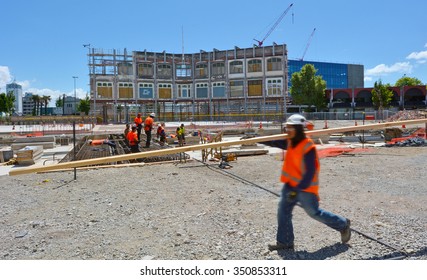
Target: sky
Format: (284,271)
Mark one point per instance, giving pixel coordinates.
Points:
(42,41)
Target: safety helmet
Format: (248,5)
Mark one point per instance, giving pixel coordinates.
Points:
(296,119)
(152,115)
(134,126)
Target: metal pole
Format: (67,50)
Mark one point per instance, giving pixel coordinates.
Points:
(75,96)
(74,148)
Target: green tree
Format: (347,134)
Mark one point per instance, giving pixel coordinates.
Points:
(59,102)
(407,81)
(307,88)
(84,105)
(36,100)
(381,96)
(7,103)
(45,101)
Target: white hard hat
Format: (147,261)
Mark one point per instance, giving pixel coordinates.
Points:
(296,119)
(152,115)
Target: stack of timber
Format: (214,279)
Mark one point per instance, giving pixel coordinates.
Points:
(29,154)
(46,142)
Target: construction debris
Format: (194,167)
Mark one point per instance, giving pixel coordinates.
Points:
(29,154)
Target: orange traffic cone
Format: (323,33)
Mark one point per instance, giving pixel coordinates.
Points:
(260,125)
(403,126)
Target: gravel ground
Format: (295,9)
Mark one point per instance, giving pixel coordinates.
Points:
(191,211)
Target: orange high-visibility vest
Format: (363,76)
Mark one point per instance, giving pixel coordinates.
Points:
(132,137)
(294,166)
(148,124)
(97,142)
(138,121)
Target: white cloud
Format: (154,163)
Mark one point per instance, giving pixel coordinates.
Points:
(421,57)
(367,79)
(5,77)
(382,69)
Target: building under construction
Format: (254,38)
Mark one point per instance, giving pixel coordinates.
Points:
(208,85)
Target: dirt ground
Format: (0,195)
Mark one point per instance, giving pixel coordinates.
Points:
(193,211)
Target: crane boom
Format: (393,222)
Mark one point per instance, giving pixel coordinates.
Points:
(308,44)
(274,25)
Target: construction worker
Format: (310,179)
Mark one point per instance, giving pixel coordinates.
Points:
(101,141)
(132,138)
(300,175)
(148,126)
(161,134)
(138,122)
(180,132)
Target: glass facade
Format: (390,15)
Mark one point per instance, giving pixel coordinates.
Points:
(335,74)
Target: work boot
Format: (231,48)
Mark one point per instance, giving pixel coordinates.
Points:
(280,246)
(346,233)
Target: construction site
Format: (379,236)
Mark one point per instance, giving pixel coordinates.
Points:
(213,198)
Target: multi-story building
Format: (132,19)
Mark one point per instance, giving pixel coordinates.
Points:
(235,81)
(27,104)
(17,92)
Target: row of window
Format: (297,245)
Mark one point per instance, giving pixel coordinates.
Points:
(146,69)
(236,88)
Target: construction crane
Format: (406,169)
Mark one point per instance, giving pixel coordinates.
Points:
(308,44)
(274,26)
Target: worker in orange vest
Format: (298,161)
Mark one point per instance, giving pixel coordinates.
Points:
(148,126)
(138,122)
(99,142)
(132,138)
(300,175)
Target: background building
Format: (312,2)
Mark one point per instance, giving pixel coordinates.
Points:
(17,92)
(202,85)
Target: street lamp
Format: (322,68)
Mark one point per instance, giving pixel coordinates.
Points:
(75,96)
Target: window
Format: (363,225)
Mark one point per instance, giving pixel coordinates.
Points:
(183,70)
(236,88)
(126,90)
(164,70)
(145,69)
(146,90)
(202,90)
(274,86)
(104,90)
(236,67)
(274,64)
(255,88)
(184,91)
(218,68)
(201,70)
(255,65)
(165,91)
(218,90)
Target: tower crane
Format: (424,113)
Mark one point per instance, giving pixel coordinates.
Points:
(308,44)
(274,26)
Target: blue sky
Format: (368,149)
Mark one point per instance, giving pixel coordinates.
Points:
(42,41)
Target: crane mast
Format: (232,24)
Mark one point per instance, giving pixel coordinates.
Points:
(274,26)
(308,44)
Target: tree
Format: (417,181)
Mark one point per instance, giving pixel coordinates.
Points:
(84,105)
(407,81)
(45,100)
(59,102)
(36,100)
(307,88)
(7,103)
(381,96)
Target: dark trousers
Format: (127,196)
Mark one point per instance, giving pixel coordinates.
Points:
(138,130)
(147,143)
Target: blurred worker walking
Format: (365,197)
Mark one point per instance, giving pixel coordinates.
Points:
(300,175)
(180,133)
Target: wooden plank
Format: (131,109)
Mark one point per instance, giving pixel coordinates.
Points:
(184,149)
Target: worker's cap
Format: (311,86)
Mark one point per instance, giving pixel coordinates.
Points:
(152,115)
(296,119)
(134,126)
(90,141)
